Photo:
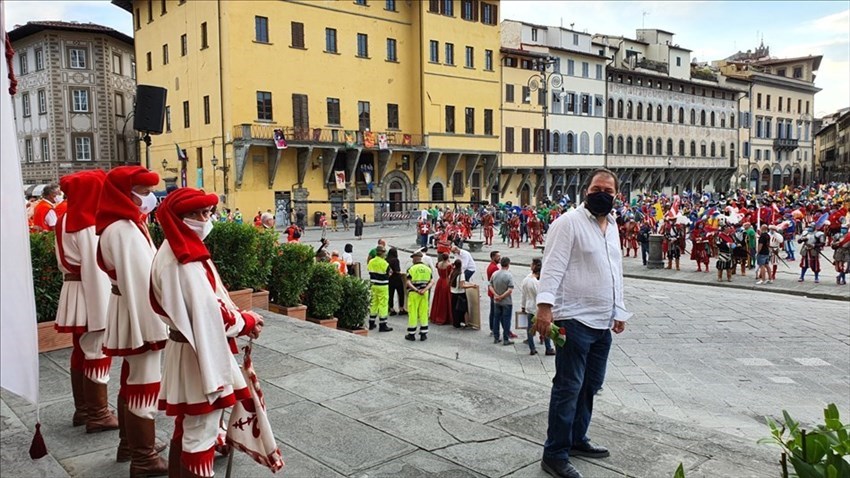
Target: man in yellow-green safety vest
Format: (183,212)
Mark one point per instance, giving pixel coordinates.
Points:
(379,276)
(419,282)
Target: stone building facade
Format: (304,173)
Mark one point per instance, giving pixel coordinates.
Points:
(76,90)
(832,145)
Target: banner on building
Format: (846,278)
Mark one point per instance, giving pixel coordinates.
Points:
(350,139)
(279,139)
(368,139)
(382,141)
(340,179)
(406,140)
(366,170)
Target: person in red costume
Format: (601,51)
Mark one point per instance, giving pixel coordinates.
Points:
(82,302)
(201,376)
(133,331)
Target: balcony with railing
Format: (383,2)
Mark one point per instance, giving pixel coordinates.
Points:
(785,144)
(329,136)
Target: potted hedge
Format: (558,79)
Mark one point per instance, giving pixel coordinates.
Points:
(266,248)
(233,248)
(354,305)
(47,285)
(290,272)
(324,294)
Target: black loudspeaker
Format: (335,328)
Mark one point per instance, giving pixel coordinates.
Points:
(150,109)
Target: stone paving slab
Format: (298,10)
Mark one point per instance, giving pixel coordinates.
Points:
(419,464)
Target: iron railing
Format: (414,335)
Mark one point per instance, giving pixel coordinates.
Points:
(369,139)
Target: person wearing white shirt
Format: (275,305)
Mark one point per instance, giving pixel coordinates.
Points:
(581,290)
(468,263)
(529,305)
(348,258)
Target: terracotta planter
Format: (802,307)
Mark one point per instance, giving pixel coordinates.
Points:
(298,312)
(329,323)
(358,331)
(260,299)
(49,339)
(242,298)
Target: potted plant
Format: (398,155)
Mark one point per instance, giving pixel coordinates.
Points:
(323,294)
(266,249)
(233,248)
(354,305)
(290,272)
(47,284)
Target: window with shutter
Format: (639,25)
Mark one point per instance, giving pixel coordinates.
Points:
(300,114)
(297,35)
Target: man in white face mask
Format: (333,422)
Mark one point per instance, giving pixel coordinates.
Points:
(201,376)
(133,331)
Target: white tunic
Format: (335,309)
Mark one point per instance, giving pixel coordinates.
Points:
(200,375)
(132,326)
(82,304)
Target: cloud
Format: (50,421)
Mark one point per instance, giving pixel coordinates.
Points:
(838,23)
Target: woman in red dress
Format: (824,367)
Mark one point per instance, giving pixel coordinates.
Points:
(441,306)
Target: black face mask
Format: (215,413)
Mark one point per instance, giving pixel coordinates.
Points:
(599,203)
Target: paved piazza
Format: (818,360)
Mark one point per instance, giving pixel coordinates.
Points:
(717,357)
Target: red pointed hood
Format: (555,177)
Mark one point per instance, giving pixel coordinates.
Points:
(116,201)
(187,246)
(83,193)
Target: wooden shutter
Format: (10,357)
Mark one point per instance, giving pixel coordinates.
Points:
(434,6)
(475,10)
(297,35)
(300,114)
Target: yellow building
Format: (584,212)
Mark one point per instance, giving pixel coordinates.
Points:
(403,93)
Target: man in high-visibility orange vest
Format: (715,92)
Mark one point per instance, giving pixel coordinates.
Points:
(44,216)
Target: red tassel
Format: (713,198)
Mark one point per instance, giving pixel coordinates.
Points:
(38,449)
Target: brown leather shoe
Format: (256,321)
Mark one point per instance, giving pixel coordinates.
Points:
(100,419)
(144,459)
(123,454)
(77,389)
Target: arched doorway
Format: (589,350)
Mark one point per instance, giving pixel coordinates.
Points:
(396,195)
(786,176)
(438,192)
(796,181)
(754,180)
(525,195)
(777,178)
(765,179)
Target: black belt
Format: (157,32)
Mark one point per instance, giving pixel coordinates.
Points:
(176,336)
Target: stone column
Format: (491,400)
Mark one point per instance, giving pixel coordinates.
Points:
(656,261)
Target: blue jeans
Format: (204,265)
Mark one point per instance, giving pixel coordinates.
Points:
(530,334)
(579,373)
(644,251)
(502,316)
(468,275)
(492,317)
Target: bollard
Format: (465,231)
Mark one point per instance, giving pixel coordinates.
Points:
(655,260)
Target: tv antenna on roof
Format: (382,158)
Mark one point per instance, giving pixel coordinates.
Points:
(643,19)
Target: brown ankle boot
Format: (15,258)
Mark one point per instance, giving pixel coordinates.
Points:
(677,264)
(174,453)
(144,459)
(100,419)
(77,388)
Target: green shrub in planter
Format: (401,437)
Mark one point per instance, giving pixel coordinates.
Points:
(354,306)
(266,250)
(324,291)
(157,236)
(233,248)
(290,272)
(46,276)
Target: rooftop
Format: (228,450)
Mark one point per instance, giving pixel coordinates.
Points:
(31,28)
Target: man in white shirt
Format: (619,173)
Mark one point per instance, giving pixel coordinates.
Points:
(467,262)
(581,289)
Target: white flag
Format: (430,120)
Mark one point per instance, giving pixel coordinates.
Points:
(19,336)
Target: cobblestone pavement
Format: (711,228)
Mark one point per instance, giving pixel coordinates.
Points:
(720,357)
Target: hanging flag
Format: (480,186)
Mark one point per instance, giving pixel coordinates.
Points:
(181,153)
(340,179)
(279,139)
(382,141)
(406,140)
(350,139)
(19,372)
(366,170)
(368,139)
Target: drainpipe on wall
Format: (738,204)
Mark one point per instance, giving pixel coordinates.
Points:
(225,168)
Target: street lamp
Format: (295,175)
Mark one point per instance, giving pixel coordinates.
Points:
(543,80)
(223,169)
(166,168)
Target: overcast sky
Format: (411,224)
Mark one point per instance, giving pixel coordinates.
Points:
(712,29)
